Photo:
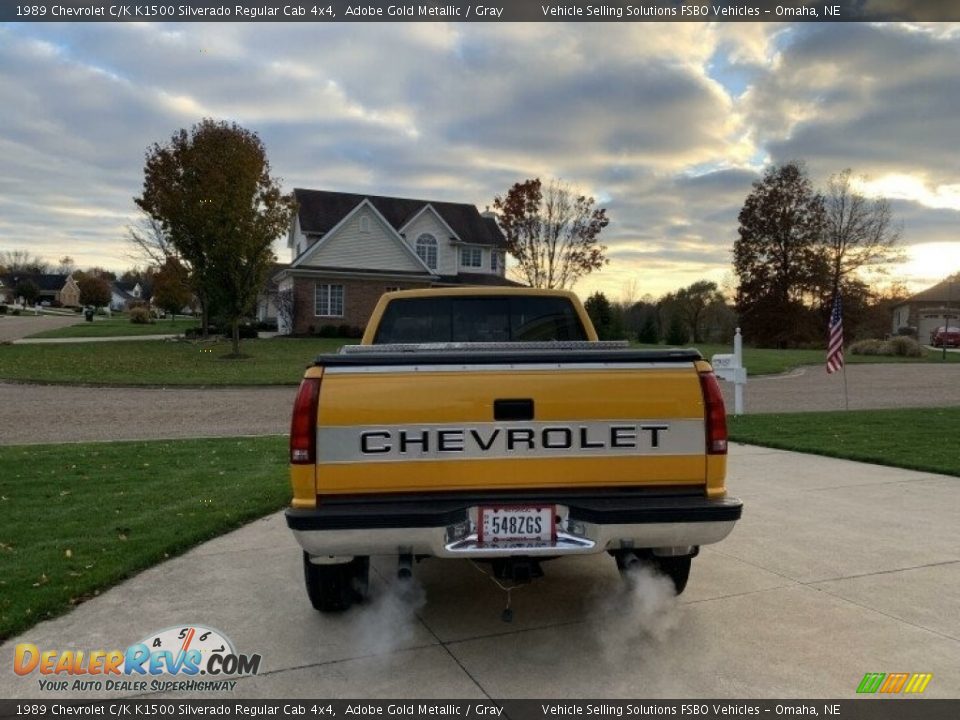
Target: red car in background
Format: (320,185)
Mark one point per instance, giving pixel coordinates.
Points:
(944,337)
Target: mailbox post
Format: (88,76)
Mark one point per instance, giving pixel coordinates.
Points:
(730,367)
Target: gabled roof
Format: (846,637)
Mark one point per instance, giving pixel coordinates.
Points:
(121,292)
(478,279)
(125,285)
(321,210)
(46,281)
(395,236)
(941,292)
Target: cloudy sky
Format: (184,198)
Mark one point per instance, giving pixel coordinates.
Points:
(666,124)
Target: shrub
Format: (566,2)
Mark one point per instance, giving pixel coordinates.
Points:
(78,310)
(140,316)
(907,331)
(905,346)
(3,309)
(196,332)
(902,346)
(327,331)
(16,311)
(868,347)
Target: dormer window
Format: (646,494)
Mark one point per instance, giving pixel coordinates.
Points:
(471,257)
(494,260)
(427,250)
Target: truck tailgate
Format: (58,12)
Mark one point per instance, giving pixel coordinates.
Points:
(433,422)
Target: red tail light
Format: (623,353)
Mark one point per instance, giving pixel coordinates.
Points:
(715,416)
(303,427)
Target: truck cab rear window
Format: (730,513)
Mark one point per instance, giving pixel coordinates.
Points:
(479,319)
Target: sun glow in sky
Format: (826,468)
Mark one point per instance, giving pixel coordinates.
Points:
(666,124)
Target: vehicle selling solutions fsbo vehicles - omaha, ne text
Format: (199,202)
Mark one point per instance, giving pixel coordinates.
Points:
(490,424)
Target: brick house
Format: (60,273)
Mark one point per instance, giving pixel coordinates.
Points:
(52,287)
(347,250)
(929,309)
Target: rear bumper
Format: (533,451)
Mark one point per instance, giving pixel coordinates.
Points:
(446,525)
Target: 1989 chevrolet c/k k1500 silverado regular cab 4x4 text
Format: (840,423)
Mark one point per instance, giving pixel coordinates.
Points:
(490,424)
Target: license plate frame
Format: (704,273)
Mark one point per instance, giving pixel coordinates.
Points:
(488,533)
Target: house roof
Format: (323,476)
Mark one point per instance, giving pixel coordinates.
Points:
(121,291)
(46,281)
(413,274)
(320,210)
(941,292)
(478,279)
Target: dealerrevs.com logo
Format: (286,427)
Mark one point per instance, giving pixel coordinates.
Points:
(189,657)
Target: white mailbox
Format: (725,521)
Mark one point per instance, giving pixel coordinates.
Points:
(729,367)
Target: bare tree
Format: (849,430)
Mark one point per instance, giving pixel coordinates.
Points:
(151,243)
(552,232)
(859,232)
(285,310)
(23,261)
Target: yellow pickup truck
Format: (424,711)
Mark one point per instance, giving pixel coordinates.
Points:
(491,424)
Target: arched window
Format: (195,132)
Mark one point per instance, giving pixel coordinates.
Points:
(427,250)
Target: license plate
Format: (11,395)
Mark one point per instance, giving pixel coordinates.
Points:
(517,522)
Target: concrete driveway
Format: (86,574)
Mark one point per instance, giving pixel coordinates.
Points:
(836,569)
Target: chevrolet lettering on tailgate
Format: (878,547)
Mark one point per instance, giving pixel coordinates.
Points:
(540,440)
(492,425)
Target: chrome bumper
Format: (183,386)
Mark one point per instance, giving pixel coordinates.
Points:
(574,536)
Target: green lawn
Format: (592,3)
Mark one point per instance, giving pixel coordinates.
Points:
(274,361)
(79,518)
(119,325)
(918,438)
(770,362)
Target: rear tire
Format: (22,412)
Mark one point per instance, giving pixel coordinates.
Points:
(675,568)
(334,588)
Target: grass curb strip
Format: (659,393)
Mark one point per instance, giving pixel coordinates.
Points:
(81,517)
(915,439)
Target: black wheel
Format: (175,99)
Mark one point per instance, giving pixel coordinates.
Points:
(675,568)
(334,588)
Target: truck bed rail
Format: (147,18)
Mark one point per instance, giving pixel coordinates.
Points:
(562,345)
(474,354)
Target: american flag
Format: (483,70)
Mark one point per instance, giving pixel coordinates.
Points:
(835,344)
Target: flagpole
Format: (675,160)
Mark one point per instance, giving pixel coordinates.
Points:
(835,359)
(846,399)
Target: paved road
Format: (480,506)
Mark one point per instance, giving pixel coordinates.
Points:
(868,387)
(35,412)
(836,569)
(132,413)
(16,327)
(118,338)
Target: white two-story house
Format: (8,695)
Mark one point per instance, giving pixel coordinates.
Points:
(347,250)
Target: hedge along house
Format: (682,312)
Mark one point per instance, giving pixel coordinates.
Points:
(929,309)
(348,249)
